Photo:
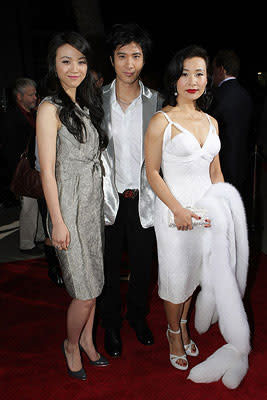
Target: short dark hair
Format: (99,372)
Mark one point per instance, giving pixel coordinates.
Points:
(229,60)
(123,34)
(21,84)
(174,71)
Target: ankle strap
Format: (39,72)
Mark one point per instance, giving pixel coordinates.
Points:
(176,332)
(183,321)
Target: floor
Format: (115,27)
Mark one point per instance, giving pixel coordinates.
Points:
(9,235)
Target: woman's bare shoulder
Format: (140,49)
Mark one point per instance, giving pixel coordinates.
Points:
(158,118)
(48,113)
(47,107)
(214,123)
(157,125)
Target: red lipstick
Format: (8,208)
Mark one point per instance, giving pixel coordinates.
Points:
(191,90)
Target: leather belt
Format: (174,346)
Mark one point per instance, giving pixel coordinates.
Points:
(130,194)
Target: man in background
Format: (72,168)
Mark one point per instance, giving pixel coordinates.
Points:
(233,109)
(18,129)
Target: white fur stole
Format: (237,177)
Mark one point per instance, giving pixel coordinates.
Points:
(223,283)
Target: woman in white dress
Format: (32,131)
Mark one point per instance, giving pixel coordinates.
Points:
(182,141)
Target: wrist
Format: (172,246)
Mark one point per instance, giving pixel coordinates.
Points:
(177,210)
(57,222)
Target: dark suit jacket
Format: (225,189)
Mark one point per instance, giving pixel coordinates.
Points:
(262,139)
(233,109)
(15,133)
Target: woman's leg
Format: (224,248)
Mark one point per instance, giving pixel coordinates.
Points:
(173,314)
(184,330)
(86,338)
(77,317)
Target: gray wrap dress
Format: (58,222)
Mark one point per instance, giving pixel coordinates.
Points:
(79,182)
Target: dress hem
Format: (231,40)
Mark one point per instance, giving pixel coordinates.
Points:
(180,301)
(98,293)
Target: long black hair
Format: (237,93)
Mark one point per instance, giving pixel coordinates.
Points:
(87,95)
(174,71)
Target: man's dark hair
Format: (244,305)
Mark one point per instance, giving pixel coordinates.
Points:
(123,34)
(229,60)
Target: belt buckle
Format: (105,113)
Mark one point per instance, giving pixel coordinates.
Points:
(130,193)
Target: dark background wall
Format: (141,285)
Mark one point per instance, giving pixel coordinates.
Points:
(172,25)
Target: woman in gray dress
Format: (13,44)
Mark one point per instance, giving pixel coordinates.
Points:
(70,139)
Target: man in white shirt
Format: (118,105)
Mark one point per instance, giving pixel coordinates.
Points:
(129,200)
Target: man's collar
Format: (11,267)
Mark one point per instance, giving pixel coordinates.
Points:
(144,91)
(23,109)
(226,79)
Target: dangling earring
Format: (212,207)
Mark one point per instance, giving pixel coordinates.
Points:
(205,91)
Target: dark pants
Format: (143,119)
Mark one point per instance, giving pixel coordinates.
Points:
(140,244)
(43,211)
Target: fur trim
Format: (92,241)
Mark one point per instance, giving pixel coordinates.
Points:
(225,363)
(223,283)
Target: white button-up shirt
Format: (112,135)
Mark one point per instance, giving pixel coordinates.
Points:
(127,131)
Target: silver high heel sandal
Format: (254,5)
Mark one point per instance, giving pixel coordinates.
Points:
(188,347)
(174,358)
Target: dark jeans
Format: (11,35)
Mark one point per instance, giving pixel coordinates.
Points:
(140,243)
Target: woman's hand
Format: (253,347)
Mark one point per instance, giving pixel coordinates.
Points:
(183,220)
(208,223)
(60,236)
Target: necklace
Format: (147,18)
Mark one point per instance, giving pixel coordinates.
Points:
(123,102)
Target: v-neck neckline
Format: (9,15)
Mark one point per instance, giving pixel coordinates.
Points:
(181,128)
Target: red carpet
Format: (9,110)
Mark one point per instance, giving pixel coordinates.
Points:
(33,327)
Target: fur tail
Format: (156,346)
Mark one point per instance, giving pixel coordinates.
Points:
(226,363)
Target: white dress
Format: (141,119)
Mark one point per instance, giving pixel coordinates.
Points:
(185,167)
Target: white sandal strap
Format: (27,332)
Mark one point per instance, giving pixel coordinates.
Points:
(183,321)
(189,351)
(174,357)
(189,345)
(176,332)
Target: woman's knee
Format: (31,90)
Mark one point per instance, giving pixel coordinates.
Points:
(84,304)
(88,304)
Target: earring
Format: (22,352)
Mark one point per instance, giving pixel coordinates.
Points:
(205,91)
(175,94)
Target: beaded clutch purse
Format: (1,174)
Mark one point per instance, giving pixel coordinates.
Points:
(201,212)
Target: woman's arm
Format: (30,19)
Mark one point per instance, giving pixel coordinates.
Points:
(47,124)
(215,170)
(153,154)
(215,167)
